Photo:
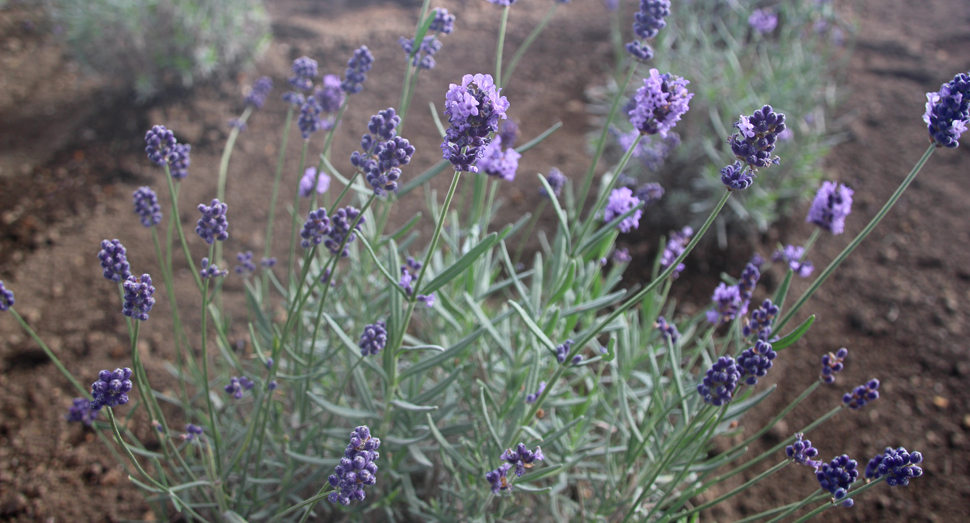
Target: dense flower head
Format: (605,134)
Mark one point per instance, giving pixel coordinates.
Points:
(384,152)
(6,298)
(81,411)
(356,469)
(474,109)
(357,67)
(737,176)
(756,137)
(294,98)
(329,95)
(652,151)
(556,180)
(763,21)
(531,398)
(246,265)
(748,281)
(832,364)
(832,203)
(423,57)
(268,262)
(179,161)
(114,260)
(802,452)
(111,389)
(948,111)
(412,264)
(640,51)
(498,478)
(212,225)
(563,350)
(138,300)
(443,22)
(236,386)
(755,361)
(728,304)
(509,132)
(792,255)
(373,339)
(304,71)
(660,103)
(676,244)
(521,458)
(861,395)
(260,90)
(309,120)
(668,330)
(146,206)
(405,281)
(649,193)
(837,476)
(719,383)
(494,162)
(899,465)
(316,227)
(159,143)
(427,299)
(340,231)
(210,270)
(761,319)
(312,179)
(192,432)
(622,200)
(650,20)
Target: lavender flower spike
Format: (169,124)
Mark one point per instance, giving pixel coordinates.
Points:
(802,452)
(718,385)
(832,364)
(210,270)
(236,386)
(675,247)
(316,227)
(212,225)
(356,469)
(114,260)
(258,93)
(792,255)
(948,111)
(837,476)
(756,137)
(622,200)
(755,361)
(159,143)
(494,162)
(310,178)
(522,458)
(737,176)
(649,21)
(138,300)
(179,161)
(763,21)
(146,206)
(305,70)
(81,411)
(473,109)
(340,231)
(531,398)
(660,103)
(373,339)
(832,204)
(357,67)
(862,395)
(898,464)
(246,265)
(111,389)
(6,298)
(556,180)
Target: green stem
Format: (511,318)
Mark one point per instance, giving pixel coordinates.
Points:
(205,373)
(730,494)
(178,227)
(402,106)
(857,240)
(268,248)
(827,506)
(520,52)
(224,168)
(501,45)
(529,228)
(178,333)
(605,194)
(295,225)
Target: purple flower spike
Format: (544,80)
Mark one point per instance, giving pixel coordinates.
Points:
(509,132)
(316,227)
(756,137)
(832,364)
(81,411)
(356,469)
(832,204)
(531,398)
(948,111)
(494,162)
(330,95)
(649,193)
(649,21)
(138,300)
(622,200)
(660,103)
(675,247)
(146,206)
(474,109)
(236,386)
(443,22)
(373,339)
(427,299)
(837,476)
(212,225)
(761,319)
(503,3)
(728,304)
(294,98)
(718,385)
(208,270)
(755,361)
(792,255)
(357,67)
(268,262)
(622,256)
(522,458)
(340,232)
(424,56)
(179,161)
(114,260)
(862,395)
(192,432)
(310,178)
(258,93)
(305,70)
(749,279)
(563,350)
(309,121)
(763,21)
(6,298)
(159,143)
(737,176)
(802,452)
(499,479)
(556,180)
(246,265)
(111,389)
(899,465)
(668,330)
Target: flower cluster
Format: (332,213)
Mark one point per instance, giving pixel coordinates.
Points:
(948,111)
(761,319)
(521,458)
(423,57)
(357,67)
(179,161)
(499,479)
(309,120)
(621,201)
(494,162)
(312,179)
(356,468)
(737,176)
(304,71)
(509,131)
(6,298)
(427,299)
(836,477)
(861,395)
(556,180)
(373,339)
(832,364)
(718,385)
(246,265)
(755,361)
(763,21)
(81,411)
(531,398)
(138,299)
(802,452)
(146,206)
(159,144)
(111,389)
(668,330)
(832,203)
(114,260)
(622,256)
(340,231)
(384,152)
(727,304)
(898,464)
(329,95)
(563,350)
(210,270)
(675,247)
(649,21)
(316,227)
(660,103)
(192,432)
(236,386)
(756,137)
(474,109)
(749,280)
(213,225)
(649,193)
(792,255)
(260,90)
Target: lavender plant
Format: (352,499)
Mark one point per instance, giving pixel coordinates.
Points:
(623,407)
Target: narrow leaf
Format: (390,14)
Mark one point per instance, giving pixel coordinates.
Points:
(795,334)
(343,412)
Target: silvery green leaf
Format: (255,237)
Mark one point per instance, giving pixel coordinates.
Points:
(343,412)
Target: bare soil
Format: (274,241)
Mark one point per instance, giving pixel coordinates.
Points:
(71,155)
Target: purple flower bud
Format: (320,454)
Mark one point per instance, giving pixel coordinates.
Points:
(305,70)
(622,200)
(668,330)
(178,161)
(357,469)
(311,179)
(443,22)
(737,176)
(763,21)
(792,255)
(832,204)
(316,227)
(159,143)
(563,350)
(427,300)
(208,270)
(861,395)
(948,111)
(357,67)
(756,137)
(531,398)
(212,225)
(81,411)
(246,265)
(373,339)
(258,93)
(114,260)
(718,385)
(6,298)
(494,162)
(660,103)
(676,245)
(556,181)
(837,476)
(340,230)
(138,300)
(108,394)
(802,451)
(146,206)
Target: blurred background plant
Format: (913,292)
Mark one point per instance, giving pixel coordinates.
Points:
(150,45)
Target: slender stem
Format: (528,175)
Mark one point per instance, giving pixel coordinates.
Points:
(501,45)
(134,461)
(827,506)
(224,167)
(295,225)
(520,52)
(605,194)
(730,494)
(178,227)
(402,106)
(528,230)
(205,372)
(50,354)
(857,240)
(268,248)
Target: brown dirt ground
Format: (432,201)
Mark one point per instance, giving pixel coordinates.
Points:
(70,157)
